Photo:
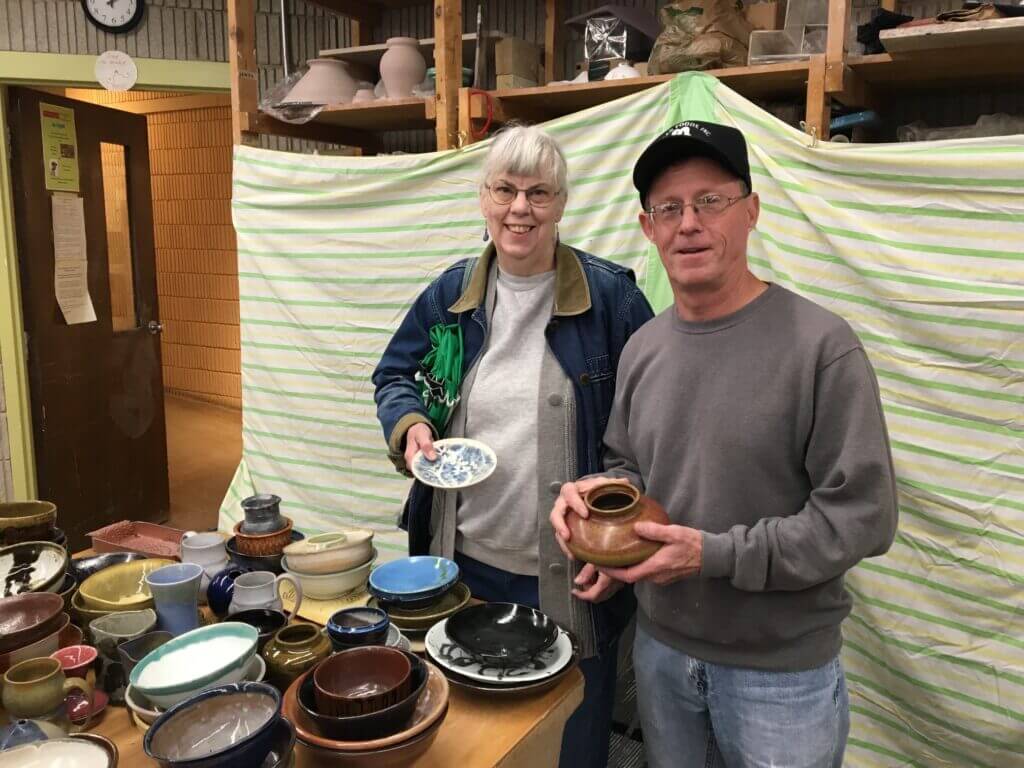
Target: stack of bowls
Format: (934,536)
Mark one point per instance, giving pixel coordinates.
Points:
(119,587)
(259,540)
(31,626)
(418,592)
(372,706)
(22,521)
(32,566)
(331,564)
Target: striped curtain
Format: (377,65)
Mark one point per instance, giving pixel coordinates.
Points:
(917,246)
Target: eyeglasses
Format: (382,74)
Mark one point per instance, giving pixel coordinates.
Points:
(503,194)
(705,206)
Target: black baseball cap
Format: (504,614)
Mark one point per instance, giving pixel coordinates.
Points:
(692,138)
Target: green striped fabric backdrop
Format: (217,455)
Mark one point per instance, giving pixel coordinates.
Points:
(918,246)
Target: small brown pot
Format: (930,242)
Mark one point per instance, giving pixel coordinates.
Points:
(607,536)
(263,544)
(292,651)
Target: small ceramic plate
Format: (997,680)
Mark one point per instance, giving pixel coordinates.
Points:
(511,690)
(451,657)
(460,463)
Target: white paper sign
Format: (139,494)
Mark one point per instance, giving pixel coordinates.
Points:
(70,259)
(116,71)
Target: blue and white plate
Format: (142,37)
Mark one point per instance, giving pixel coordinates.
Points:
(460,463)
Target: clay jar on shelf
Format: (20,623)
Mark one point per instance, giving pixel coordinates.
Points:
(607,536)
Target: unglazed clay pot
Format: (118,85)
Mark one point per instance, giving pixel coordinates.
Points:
(607,536)
(327,82)
(402,67)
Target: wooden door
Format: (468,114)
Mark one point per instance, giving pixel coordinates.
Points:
(96,387)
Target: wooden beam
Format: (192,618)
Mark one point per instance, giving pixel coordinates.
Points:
(245,84)
(258,122)
(355,29)
(818,107)
(835,44)
(448,69)
(174,103)
(553,40)
(465,117)
(888,5)
(855,91)
(358,10)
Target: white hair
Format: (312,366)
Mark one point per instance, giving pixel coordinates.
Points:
(526,150)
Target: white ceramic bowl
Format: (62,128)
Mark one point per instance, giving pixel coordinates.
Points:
(331,585)
(331,552)
(56,753)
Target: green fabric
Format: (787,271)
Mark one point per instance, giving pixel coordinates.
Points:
(440,376)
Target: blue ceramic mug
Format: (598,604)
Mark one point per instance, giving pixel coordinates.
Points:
(175,590)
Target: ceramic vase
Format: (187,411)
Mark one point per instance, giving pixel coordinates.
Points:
(222,589)
(260,589)
(327,82)
(175,590)
(207,551)
(292,651)
(402,67)
(38,686)
(607,536)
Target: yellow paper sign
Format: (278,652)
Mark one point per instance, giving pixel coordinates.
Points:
(60,148)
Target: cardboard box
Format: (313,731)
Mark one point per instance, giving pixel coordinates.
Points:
(767,15)
(515,56)
(514,81)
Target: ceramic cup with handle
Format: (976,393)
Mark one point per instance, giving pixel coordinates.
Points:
(36,687)
(205,550)
(261,589)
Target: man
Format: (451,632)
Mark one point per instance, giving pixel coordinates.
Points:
(752,415)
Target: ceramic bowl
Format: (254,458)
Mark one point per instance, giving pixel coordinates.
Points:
(121,587)
(84,567)
(29,617)
(266,621)
(263,543)
(226,725)
(67,590)
(26,521)
(83,750)
(359,681)
(83,615)
(282,745)
(41,647)
(332,585)
(422,619)
(76,660)
(428,714)
(331,552)
(222,588)
(607,537)
(502,634)
(270,563)
(32,566)
(108,632)
(374,725)
(207,656)
(135,650)
(413,581)
(351,627)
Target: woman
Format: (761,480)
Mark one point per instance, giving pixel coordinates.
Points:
(540,326)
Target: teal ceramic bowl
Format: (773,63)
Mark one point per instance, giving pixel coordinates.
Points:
(192,662)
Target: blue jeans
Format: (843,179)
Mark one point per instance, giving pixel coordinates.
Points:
(696,714)
(587,732)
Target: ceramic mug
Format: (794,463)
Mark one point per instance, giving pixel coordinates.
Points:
(206,550)
(38,686)
(175,590)
(261,589)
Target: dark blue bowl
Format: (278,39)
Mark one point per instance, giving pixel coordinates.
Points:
(214,730)
(270,563)
(222,589)
(351,627)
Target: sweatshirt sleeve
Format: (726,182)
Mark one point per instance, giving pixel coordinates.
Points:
(619,459)
(851,512)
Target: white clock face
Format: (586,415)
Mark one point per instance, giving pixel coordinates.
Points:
(113,15)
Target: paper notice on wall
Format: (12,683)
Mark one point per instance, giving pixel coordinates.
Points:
(70,259)
(60,147)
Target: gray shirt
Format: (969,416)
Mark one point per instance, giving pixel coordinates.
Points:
(497,519)
(764,430)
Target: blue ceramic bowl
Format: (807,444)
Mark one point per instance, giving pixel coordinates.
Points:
(231,725)
(351,627)
(222,589)
(413,581)
(270,563)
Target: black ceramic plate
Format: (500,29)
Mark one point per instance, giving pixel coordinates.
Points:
(505,689)
(502,633)
(84,567)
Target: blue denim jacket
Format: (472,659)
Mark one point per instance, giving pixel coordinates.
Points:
(598,306)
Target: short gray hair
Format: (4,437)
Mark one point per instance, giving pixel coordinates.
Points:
(526,150)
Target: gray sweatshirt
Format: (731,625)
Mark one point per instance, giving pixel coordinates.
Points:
(763,430)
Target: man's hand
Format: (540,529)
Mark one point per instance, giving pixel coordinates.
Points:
(594,586)
(571,497)
(679,557)
(419,437)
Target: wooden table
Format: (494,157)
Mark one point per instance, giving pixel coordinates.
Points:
(477,733)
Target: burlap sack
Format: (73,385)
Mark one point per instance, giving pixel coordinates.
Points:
(700,34)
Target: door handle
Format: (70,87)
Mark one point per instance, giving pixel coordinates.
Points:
(154,327)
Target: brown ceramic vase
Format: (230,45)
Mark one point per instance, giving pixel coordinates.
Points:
(607,536)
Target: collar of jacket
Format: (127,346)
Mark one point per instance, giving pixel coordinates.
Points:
(572,294)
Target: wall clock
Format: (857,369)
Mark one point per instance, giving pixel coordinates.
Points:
(116,16)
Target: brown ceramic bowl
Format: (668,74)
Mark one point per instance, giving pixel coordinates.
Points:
(361,680)
(26,521)
(429,713)
(263,544)
(28,617)
(607,536)
(41,647)
(400,755)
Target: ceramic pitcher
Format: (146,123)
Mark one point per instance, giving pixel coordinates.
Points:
(206,550)
(261,589)
(38,686)
(175,590)
(402,67)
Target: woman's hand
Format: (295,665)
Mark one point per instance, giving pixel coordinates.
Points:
(594,586)
(419,438)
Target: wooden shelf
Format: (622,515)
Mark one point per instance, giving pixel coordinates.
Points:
(386,115)
(369,55)
(551,101)
(366,11)
(941,67)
